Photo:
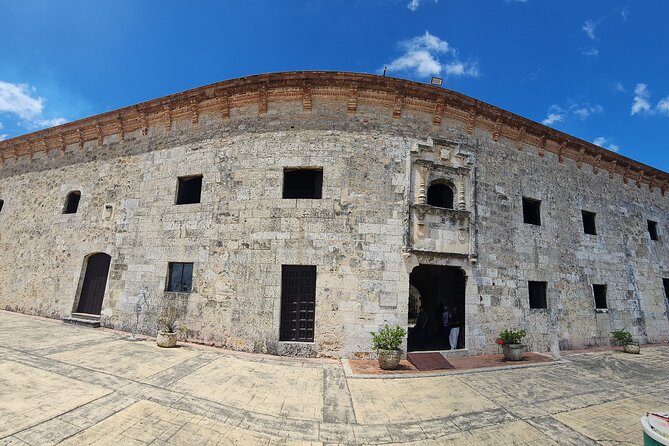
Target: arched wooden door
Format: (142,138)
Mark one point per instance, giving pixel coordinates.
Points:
(95,281)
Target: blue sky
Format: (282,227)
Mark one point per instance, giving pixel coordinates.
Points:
(596,69)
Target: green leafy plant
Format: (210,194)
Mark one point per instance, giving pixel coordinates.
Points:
(510,336)
(388,338)
(622,337)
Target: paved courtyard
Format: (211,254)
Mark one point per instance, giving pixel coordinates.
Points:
(80,386)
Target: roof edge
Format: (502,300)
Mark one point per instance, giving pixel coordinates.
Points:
(443,102)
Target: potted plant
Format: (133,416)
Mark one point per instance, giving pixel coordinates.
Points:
(624,338)
(172,307)
(167,336)
(511,346)
(387,343)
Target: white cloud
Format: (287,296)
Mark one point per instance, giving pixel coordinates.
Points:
(663,106)
(605,143)
(4,136)
(414,4)
(49,122)
(421,57)
(589,28)
(552,118)
(20,103)
(624,13)
(593,52)
(583,111)
(619,88)
(462,69)
(16,99)
(641,103)
(556,113)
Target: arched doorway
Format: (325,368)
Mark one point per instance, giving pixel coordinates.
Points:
(434,288)
(95,282)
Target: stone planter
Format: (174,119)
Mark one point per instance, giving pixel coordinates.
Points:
(389,359)
(632,348)
(513,352)
(166,339)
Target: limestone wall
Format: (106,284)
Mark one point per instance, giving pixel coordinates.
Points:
(364,235)
(622,256)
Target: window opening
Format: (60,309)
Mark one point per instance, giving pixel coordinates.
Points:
(2,202)
(652,229)
(180,277)
(599,291)
(440,195)
(189,189)
(298,303)
(537,292)
(302,183)
(665,282)
(589,223)
(531,211)
(72,202)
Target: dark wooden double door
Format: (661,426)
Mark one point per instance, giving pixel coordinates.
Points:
(95,282)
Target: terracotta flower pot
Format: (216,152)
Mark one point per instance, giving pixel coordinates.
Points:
(389,359)
(166,339)
(513,352)
(632,348)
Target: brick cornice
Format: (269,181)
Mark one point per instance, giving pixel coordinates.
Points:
(397,95)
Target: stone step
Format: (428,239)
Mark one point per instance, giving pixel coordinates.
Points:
(90,317)
(87,320)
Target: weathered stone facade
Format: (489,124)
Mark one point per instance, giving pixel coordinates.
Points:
(381,143)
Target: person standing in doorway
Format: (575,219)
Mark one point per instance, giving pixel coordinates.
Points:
(454,324)
(446,322)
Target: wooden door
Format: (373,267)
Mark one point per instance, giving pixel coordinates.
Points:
(298,302)
(95,281)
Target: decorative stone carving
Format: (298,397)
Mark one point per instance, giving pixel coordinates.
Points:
(438,111)
(352,103)
(471,121)
(194,116)
(397,109)
(306,99)
(497,131)
(436,229)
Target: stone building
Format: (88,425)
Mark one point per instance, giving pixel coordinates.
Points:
(293,213)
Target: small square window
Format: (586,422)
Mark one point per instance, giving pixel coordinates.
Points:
(531,211)
(189,189)
(302,183)
(599,291)
(589,223)
(665,282)
(537,292)
(180,277)
(652,230)
(2,202)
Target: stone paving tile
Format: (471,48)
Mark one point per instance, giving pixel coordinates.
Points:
(203,396)
(379,401)
(36,335)
(29,396)
(337,404)
(173,374)
(149,423)
(616,422)
(134,360)
(515,433)
(560,432)
(293,392)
